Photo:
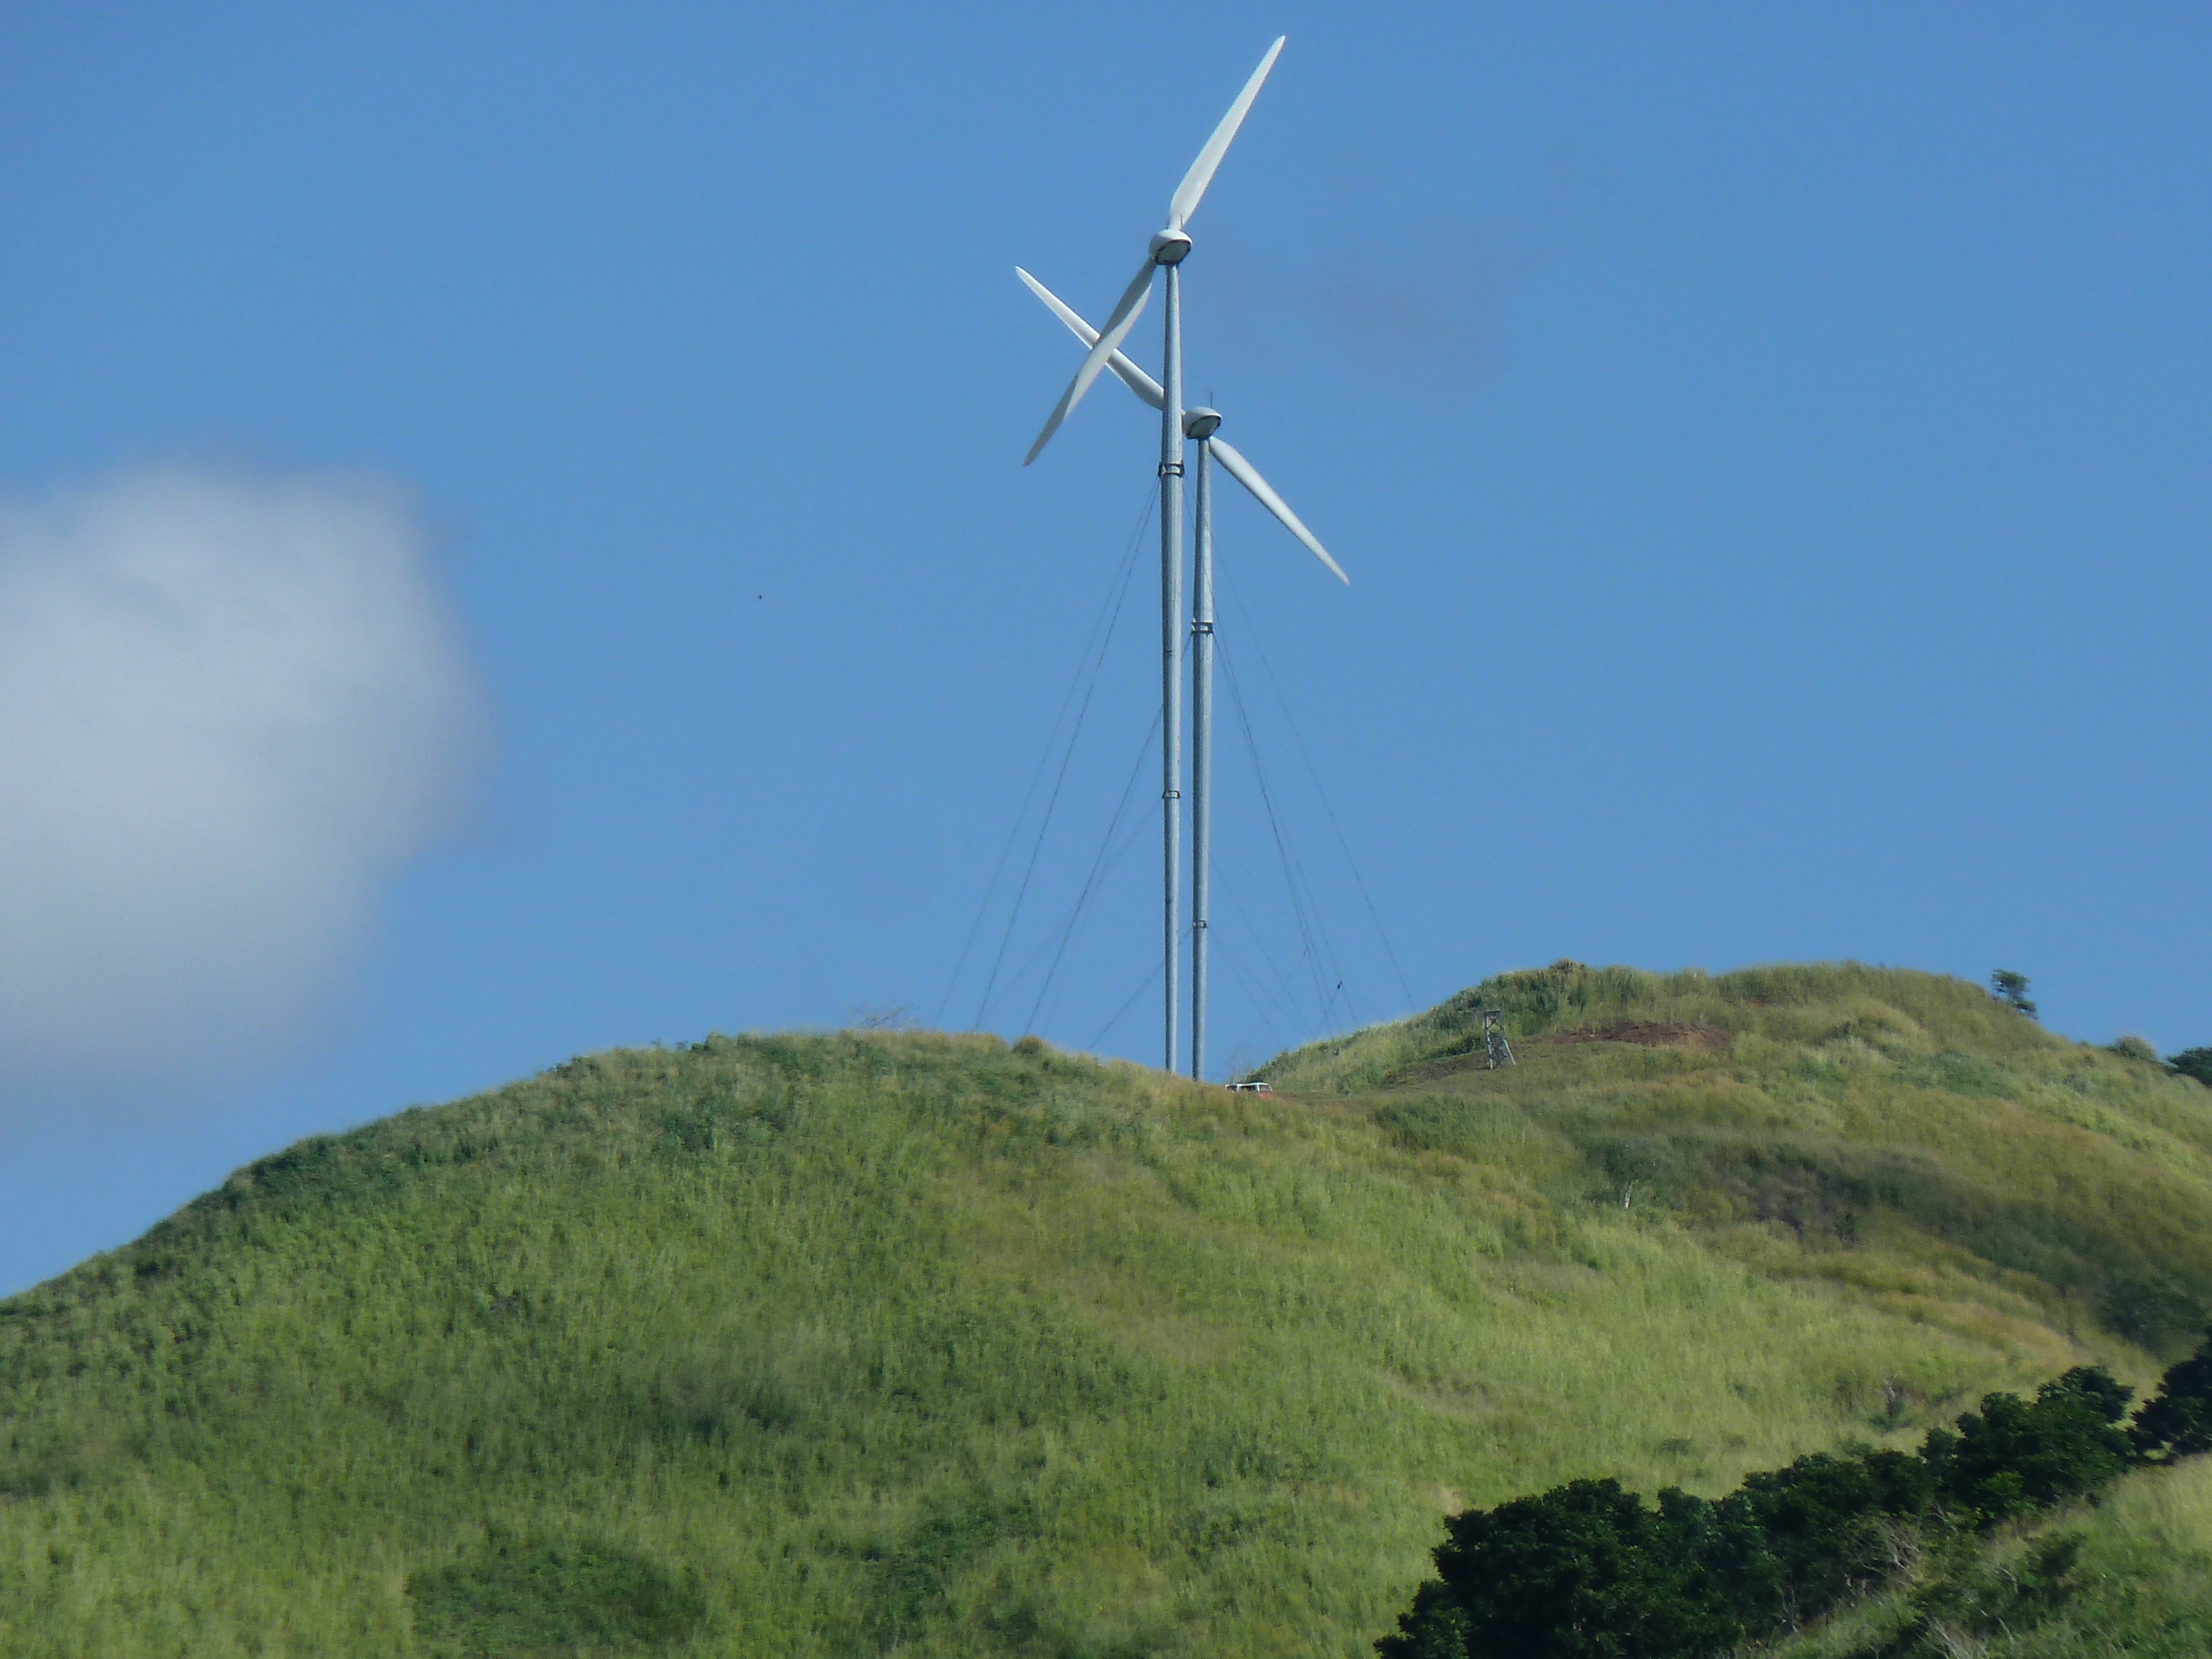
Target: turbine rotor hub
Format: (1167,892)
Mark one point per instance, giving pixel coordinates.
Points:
(1168,247)
(1201,423)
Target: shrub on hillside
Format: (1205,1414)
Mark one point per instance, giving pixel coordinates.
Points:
(2192,1063)
(1822,1529)
(2014,1455)
(2177,1420)
(1587,1571)
(1958,1611)
(1584,1569)
(2011,989)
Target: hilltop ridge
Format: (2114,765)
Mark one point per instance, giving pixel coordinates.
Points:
(868,1341)
(1903,1135)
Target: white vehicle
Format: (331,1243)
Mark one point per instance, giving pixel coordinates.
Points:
(1258,1085)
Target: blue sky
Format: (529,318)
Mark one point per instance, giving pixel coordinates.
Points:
(1769,446)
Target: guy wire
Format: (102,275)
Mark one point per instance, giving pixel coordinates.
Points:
(1313,772)
(1322,998)
(1101,867)
(1128,572)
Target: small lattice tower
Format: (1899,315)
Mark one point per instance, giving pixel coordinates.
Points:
(1499,1051)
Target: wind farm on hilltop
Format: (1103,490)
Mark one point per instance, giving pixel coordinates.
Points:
(1165,255)
(635,679)
(889,1341)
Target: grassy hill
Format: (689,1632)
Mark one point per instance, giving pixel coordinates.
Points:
(2132,1575)
(877,1342)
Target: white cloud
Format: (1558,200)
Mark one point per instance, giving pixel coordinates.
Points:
(231,705)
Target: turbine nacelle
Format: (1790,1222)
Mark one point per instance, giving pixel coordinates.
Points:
(1168,248)
(1201,423)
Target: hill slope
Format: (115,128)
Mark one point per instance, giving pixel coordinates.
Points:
(868,1342)
(2133,1578)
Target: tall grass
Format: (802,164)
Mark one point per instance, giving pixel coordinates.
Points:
(1906,1137)
(2135,1581)
(905,1343)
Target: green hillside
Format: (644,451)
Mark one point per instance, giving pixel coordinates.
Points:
(877,1342)
(2131,1576)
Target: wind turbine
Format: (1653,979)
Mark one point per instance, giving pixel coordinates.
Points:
(1166,252)
(1202,425)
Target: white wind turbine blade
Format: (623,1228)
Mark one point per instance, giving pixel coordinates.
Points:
(1246,474)
(1201,171)
(1133,377)
(1117,325)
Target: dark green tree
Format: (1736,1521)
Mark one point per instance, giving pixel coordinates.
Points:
(2177,1420)
(2016,1454)
(1820,1526)
(1435,1628)
(2011,989)
(2192,1063)
(1587,1571)
(1582,1571)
